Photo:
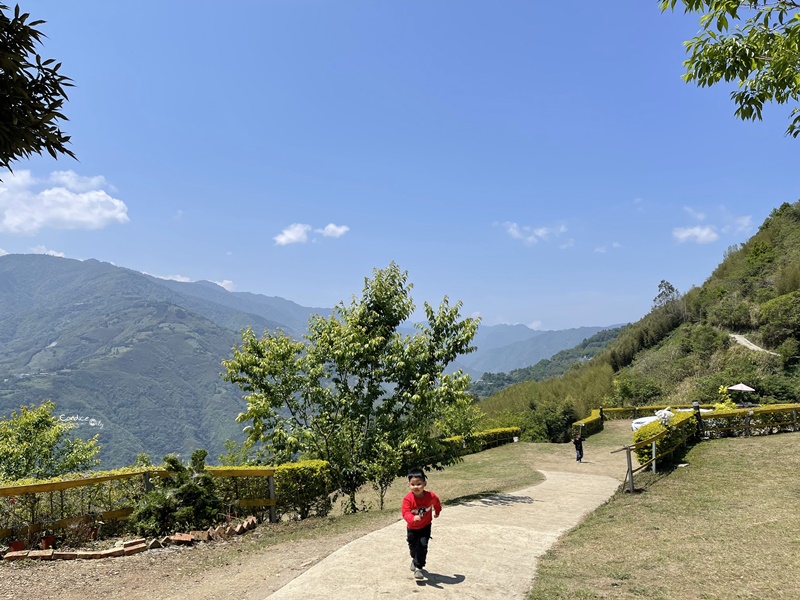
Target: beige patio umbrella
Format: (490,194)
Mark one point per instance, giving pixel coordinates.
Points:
(740,387)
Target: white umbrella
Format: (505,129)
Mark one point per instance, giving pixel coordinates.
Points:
(740,387)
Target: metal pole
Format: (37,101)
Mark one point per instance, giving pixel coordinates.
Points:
(653,455)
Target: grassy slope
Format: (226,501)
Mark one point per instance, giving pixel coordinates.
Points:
(722,527)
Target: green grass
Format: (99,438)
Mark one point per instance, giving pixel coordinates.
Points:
(723,526)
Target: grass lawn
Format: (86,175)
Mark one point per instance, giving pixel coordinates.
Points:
(724,526)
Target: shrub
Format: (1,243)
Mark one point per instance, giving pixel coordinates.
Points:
(303,488)
(682,426)
(185,498)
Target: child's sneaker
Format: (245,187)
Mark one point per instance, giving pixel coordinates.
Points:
(418,574)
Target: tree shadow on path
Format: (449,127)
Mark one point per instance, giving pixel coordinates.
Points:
(491,498)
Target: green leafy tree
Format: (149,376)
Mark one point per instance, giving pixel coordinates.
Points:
(31,93)
(355,382)
(761,53)
(34,443)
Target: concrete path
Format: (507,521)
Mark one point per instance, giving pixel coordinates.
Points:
(484,549)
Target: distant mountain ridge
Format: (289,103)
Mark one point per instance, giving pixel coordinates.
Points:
(137,359)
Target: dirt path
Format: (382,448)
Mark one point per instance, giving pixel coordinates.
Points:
(480,546)
(740,339)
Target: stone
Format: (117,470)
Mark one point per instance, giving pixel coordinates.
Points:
(240,529)
(16,555)
(166,541)
(154,543)
(112,552)
(135,542)
(64,555)
(41,554)
(88,554)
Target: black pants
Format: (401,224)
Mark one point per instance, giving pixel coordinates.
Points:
(418,544)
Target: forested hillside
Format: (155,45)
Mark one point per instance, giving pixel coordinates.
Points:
(125,355)
(682,351)
(558,364)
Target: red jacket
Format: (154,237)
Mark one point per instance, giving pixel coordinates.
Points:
(425,506)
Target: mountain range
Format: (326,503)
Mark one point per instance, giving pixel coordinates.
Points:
(136,359)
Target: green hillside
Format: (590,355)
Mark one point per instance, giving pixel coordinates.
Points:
(682,351)
(557,364)
(136,361)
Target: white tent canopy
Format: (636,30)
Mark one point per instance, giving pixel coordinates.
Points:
(740,387)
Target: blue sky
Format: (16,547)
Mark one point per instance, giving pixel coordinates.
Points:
(544,163)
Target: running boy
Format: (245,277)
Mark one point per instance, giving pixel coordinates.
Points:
(419,508)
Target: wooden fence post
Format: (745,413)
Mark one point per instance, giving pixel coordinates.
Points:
(794,419)
(747,422)
(271,483)
(148,486)
(630,470)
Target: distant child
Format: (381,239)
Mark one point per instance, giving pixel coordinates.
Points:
(419,508)
(578,441)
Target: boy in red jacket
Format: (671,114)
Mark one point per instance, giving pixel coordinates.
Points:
(419,508)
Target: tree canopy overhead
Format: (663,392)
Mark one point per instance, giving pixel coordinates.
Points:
(755,43)
(31,93)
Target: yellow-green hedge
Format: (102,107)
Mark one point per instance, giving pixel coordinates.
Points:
(482,440)
(682,426)
(303,488)
(590,425)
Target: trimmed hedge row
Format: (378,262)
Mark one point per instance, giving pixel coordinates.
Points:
(590,425)
(634,412)
(482,440)
(682,426)
(775,418)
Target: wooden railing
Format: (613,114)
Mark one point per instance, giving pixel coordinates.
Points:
(48,498)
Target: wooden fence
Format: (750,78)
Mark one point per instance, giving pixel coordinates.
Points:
(765,420)
(45,506)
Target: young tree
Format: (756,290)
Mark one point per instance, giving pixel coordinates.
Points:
(762,54)
(355,383)
(34,443)
(31,93)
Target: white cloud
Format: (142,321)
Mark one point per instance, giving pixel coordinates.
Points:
(530,235)
(568,244)
(227,284)
(695,214)
(739,225)
(75,202)
(180,278)
(535,324)
(43,250)
(333,230)
(605,248)
(699,235)
(3,252)
(76,183)
(296,233)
